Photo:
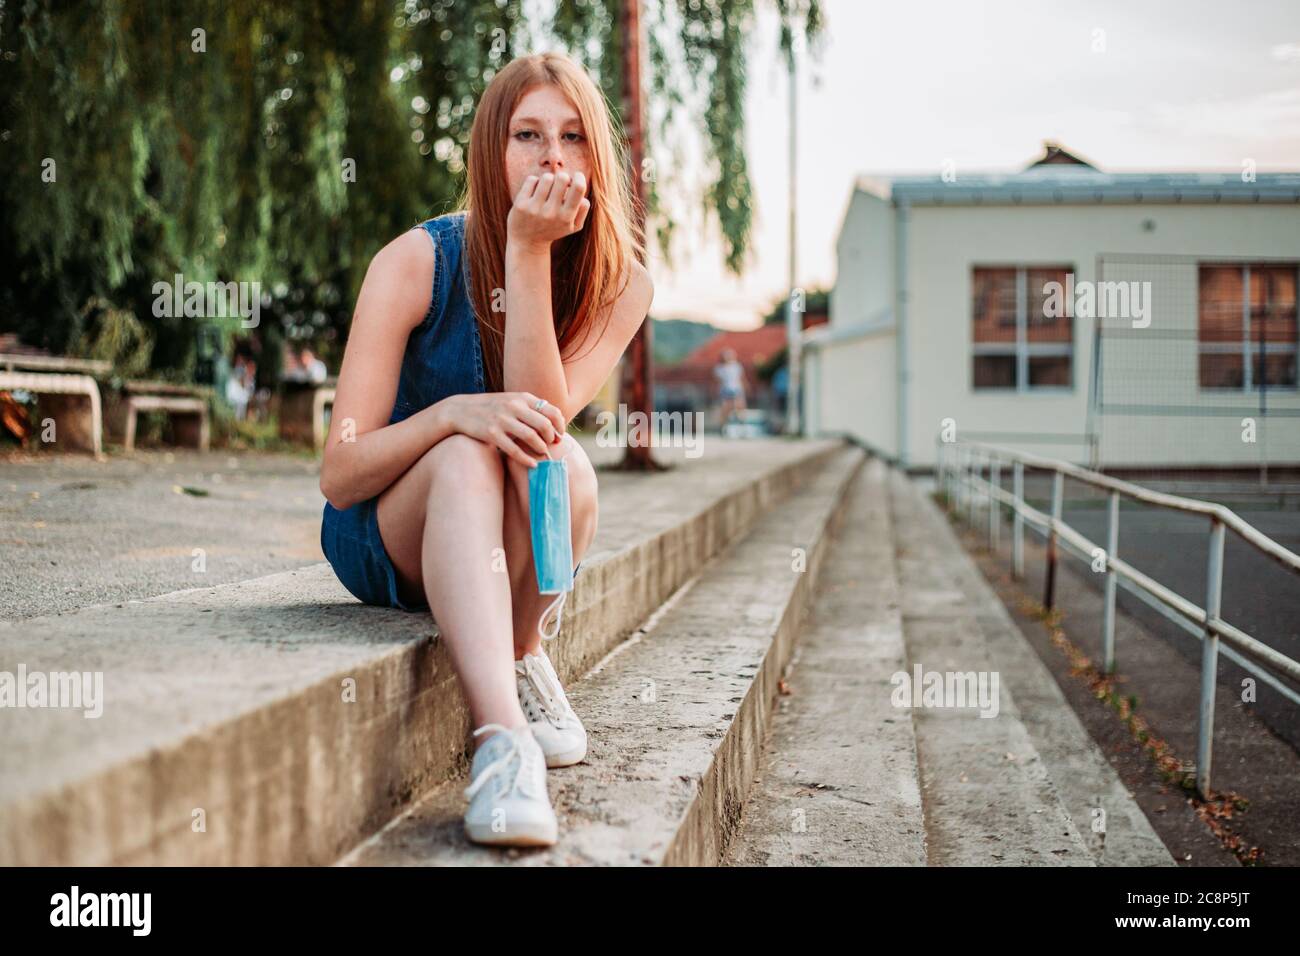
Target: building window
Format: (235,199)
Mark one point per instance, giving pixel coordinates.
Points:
(1247,334)
(1016,345)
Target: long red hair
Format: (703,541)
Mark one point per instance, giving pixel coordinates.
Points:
(586,267)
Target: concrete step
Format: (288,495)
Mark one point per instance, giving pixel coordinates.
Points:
(989,796)
(278,721)
(676,717)
(839,783)
(842,784)
(1107,817)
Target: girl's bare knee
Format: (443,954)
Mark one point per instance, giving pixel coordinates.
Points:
(462,458)
(582,479)
(582,482)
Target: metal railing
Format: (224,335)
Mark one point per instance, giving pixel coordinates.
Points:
(961,470)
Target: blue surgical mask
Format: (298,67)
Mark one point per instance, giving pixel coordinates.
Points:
(548,519)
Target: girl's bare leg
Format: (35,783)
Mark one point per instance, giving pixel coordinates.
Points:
(528,603)
(441,524)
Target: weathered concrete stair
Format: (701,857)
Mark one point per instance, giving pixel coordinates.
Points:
(676,717)
(839,783)
(847,777)
(1035,768)
(279,721)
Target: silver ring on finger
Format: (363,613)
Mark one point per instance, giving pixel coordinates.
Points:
(539,404)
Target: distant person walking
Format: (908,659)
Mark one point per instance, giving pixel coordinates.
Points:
(305,367)
(242,384)
(314,367)
(731,384)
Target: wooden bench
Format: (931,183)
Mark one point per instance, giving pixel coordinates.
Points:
(66,392)
(302,411)
(188,406)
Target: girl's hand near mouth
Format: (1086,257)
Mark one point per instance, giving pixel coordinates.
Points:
(547,208)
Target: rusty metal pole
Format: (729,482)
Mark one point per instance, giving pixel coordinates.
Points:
(793,316)
(1049,577)
(638,365)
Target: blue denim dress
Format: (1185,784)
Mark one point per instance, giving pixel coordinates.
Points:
(443,357)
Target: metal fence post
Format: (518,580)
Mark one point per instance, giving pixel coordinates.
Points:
(1108,619)
(939,487)
(963,464)
(954,464)
(941,473)
(1049,579)
(1018,522)
(995,508)
(951,473)
(948,476)
(970,497)
(942,465)
(959,499)
(1209,659)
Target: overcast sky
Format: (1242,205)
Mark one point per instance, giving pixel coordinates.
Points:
(1172,84)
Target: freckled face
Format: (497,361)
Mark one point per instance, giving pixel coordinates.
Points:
(545,136)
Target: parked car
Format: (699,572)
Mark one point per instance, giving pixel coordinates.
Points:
(749,423)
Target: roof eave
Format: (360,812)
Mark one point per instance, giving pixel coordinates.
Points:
(1030,195)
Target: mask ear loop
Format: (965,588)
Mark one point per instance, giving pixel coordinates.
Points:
(558,604)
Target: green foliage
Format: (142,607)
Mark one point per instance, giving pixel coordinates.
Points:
(674,339)
(116,336)
(816,300)
(209,138)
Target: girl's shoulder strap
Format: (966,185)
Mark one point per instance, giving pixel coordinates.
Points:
(446,229)
(447,233)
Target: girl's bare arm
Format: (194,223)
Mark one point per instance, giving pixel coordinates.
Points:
(363,453)
(532,361)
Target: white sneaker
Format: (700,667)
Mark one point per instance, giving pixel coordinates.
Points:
(557,728)
(509,805)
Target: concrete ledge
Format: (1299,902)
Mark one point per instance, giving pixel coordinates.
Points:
(839,785)
(676,717)
(989,796)
(227,705)
(1083,778)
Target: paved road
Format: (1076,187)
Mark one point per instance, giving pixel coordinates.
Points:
(76,532)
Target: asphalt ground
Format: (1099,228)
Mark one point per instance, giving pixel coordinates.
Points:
(1260,596)
(76,532)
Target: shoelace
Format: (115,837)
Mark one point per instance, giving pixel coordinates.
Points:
(545,694)
(524,775)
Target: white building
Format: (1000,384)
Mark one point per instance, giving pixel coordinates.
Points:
(1183,294)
